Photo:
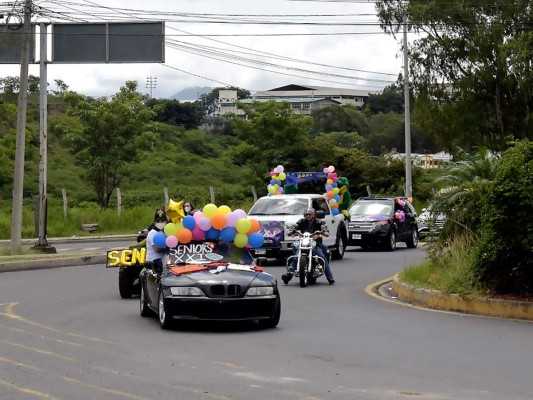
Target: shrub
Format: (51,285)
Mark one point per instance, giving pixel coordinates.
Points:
(504,257)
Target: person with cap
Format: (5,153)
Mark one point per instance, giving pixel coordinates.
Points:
(154,254)
(309,223)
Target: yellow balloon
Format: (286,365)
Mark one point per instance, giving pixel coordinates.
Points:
(282,176)
(224,210)
(209,210)
(241,240)
(336,190)
(170,229)
(243,225)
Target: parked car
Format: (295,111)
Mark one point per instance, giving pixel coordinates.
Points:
(430,224)
(210,281)
(382,222)
(278,214)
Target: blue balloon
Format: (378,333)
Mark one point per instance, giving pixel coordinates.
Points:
(189,222)
(335,211)
(337,198)
(212,234)
(228,234)
(160,240)
(255,239)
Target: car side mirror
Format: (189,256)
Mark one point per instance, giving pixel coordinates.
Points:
(260,261)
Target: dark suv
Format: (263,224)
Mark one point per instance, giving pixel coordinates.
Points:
(382,222)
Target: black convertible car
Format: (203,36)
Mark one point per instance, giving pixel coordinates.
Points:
(210,281)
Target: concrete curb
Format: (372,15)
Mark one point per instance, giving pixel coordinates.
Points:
(472,305)
(44,263)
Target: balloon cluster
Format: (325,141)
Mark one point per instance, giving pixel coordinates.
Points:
(400,215)
(332,189)
(212,223)
(276,176)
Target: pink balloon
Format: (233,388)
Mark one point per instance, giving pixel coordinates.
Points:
(204,224)
(198,215)
(198,234)
(171,241)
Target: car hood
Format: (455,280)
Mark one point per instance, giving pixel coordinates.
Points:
(369,218)
(242,275)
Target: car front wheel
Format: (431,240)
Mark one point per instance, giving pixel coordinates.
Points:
(390,243)
(145,310)
(412,242)
(164,319)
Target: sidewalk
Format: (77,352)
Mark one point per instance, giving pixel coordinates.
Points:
(45,261)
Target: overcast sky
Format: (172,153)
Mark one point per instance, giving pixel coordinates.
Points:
(300,42)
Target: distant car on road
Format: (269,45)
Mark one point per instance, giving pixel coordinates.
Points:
(381,222)
(210,281)
(430,224)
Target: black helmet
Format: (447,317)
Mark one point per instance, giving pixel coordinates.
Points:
(160,215)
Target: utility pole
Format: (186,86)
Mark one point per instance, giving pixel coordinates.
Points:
(408,178)
(151,83)
(42,243)
(18,184)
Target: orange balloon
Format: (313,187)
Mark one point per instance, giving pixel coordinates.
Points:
(184,235)
(218,221)
(330,194)
(255,225)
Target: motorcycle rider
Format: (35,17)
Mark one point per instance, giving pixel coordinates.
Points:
(154,254)
(309,223)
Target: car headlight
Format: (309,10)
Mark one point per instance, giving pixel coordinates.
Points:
(260,291)
(297,243)
(186,291)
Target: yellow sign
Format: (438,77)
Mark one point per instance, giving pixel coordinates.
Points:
(126,257)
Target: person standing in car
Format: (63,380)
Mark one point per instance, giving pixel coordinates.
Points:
(309,223)
(155,254)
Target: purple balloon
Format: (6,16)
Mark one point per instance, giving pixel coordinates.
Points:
(231,219)
(240,213)
(204,224)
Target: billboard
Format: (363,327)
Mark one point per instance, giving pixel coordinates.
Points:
(11,38)
(110,42)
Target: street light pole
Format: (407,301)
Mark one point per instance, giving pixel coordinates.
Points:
(18,181)
(408,177)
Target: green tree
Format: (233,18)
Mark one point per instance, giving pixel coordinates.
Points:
(474,58)
(115,133)
(345,118)
(273,134)
(186,115)
(504,258)
(390,100)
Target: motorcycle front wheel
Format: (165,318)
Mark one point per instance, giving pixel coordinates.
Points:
(303,270)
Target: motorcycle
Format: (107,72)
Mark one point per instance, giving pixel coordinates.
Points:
(309,265)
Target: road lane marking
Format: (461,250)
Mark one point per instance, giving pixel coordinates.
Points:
(27,390)
(8,312)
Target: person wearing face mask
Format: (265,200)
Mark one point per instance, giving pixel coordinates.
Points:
(154,254)
(188,208)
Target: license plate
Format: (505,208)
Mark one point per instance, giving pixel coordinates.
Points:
(356,236)
(260,251)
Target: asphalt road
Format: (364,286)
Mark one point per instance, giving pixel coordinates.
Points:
(66,334)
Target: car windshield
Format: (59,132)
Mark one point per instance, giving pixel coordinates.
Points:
(370,208)
(279,205)
(208,252)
